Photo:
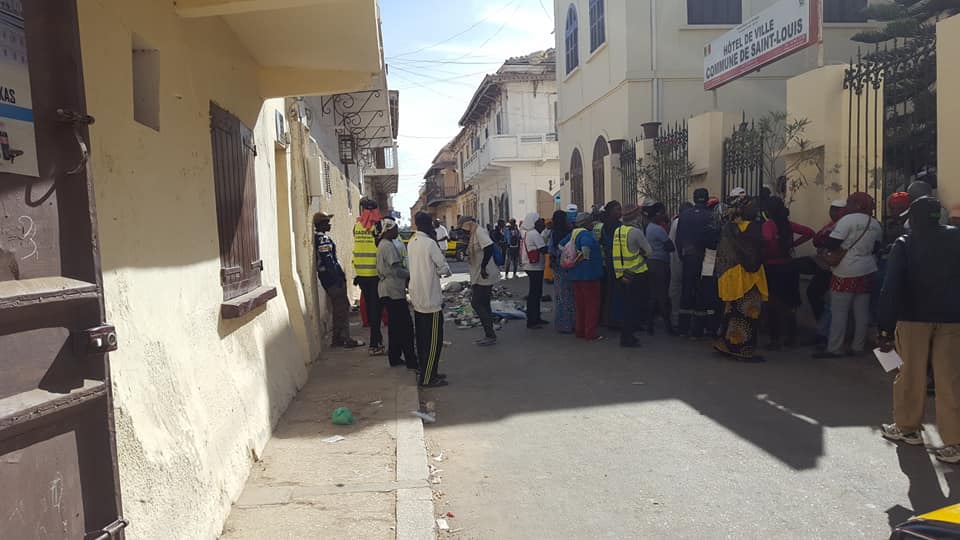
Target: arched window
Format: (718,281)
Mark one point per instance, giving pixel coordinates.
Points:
(571,40)
(600,151)
(576,180)
(598,31)
(504,207)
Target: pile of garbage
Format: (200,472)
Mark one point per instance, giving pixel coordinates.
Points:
(457,308)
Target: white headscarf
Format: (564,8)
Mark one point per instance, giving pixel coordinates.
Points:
(530,221)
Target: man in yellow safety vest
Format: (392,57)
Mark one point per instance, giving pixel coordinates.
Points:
(630,249)
(365,236)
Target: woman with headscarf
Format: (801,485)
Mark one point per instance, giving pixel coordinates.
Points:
(854,242)
(586,277)
(742,282)
(565,315)
(532,251)
(780,237)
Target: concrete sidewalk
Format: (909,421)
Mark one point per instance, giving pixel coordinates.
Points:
(373,484)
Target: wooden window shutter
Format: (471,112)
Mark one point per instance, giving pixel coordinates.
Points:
(234,178)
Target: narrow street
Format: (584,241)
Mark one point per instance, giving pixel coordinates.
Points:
(544,436)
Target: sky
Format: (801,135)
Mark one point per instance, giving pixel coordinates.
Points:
(437,52)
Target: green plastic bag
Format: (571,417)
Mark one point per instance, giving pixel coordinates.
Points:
(342,417)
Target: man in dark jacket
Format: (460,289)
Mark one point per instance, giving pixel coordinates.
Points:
(696,233)
(920,316)
(334,281)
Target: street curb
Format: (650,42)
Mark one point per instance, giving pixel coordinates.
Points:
(414,505)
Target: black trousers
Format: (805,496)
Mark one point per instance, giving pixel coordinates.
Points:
(400,349)
(480,301)
(429,327)
(660,292)
(689,291)
(636,303)
(371,297)
(533,297)
(513,260)
(706,316)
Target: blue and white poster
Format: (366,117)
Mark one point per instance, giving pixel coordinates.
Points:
(18,142)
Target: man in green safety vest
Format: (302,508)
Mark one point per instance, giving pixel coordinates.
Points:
(365,236)
(630,249)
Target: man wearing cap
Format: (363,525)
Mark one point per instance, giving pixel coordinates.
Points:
(365,236)
(333,280)
(695,234)
(630,252)
(920,317)
(394,275)
(484,274)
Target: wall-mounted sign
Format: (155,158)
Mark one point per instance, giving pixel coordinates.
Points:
(18,142)
(778,31)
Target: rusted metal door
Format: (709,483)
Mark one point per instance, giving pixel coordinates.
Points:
(58,467)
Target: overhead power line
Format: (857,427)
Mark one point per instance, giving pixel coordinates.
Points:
(426,136)
(458,34)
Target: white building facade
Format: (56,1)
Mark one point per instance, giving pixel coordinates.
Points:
(507,151)
(623,63)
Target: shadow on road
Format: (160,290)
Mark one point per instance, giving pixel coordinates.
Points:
(781,406)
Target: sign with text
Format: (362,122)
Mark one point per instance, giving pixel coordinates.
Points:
(778,31)
(18,143)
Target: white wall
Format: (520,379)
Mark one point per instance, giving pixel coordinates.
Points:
(529,107)
(654,72)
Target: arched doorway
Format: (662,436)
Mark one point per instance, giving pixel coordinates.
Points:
(576,179)
(600,151)
(490,211)
(544,204)
(504,207)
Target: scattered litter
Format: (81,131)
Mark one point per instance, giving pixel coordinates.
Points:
(377,402)
(637,383)
(453,531)
(448,343)
(334,439)
(442,525)
(438,458)
(342,417)
(450,515)
(429,419)
(457,308)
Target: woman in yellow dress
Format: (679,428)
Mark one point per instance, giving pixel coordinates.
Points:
(742,281)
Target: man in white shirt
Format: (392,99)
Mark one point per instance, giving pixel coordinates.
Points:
(443,236)
(427,265)
(532,253)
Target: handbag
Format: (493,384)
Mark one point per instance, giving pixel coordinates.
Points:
(833,257)
(533,257)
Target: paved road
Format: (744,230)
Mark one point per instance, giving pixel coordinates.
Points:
(547,437)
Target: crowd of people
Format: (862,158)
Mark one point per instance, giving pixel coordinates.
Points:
(720,270)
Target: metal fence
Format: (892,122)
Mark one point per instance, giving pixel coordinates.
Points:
(743,159)
(667,178)
(892,121)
